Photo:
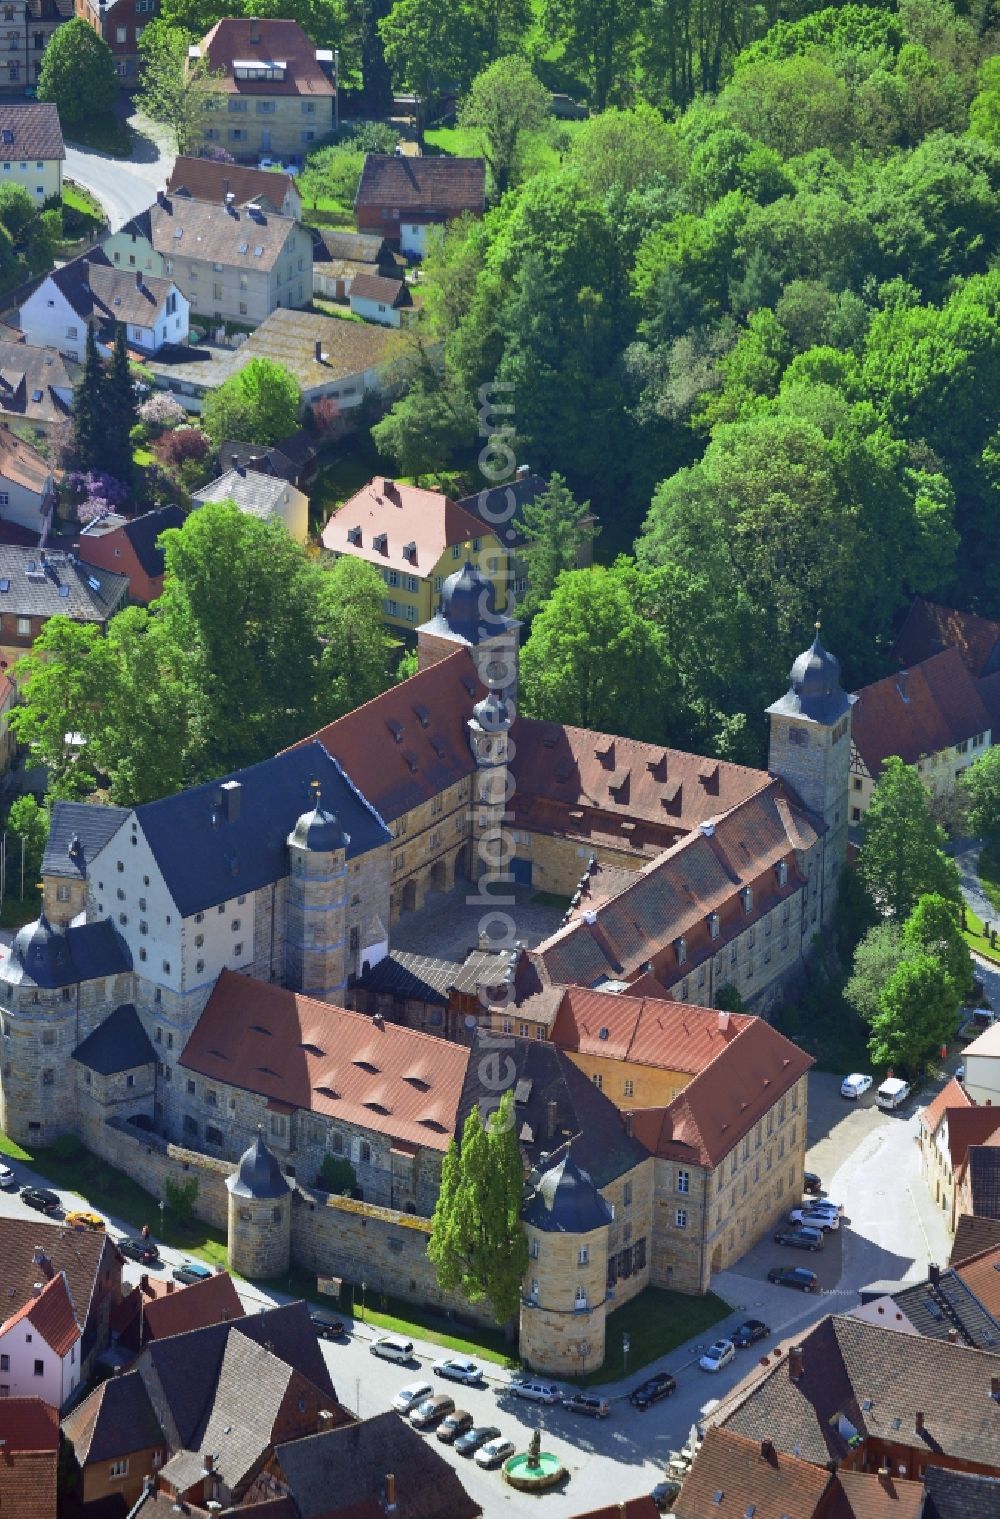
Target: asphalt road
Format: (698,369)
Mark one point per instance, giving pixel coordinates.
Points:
(124,188)
(869,1162)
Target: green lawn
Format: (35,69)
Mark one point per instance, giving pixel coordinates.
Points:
(656,1322)
(332,308)
(14,912)
(976,939)
(353,467)
(83,215)
(542,151)
(989,875)
(142,457)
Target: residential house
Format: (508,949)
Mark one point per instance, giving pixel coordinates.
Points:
(339,256)
(8,699)
(977,1184)
(293,458)
(27,26)
(233,264)
(29,1437)
(203,179)
(89,290)
(415,538)
(27,485)
(932,716)
(36,584)
(276,84)
(117,1440)
(77,834)
(343,362)
(930,628)
(969,1132)
(972,1236)
(260,495)
(40,1345)
(36,386)
(378,298)
(31,141)
(936,1164)
(130,546)
(981,1081)
(121,23)
(403,198)
(958,1304)
(501,509)
(35,1250)
(155,1308)
(373,1466)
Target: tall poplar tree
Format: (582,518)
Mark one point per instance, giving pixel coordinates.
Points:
(88,408)
(120,411)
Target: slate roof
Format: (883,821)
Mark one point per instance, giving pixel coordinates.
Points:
(49,956)
(29,1430)
(974,1235)
(731,1473)
(846,1363)
(257,494)
(116,1420)
(416,526)
(493,506)
(349,1467)
(29,379)
(262,40)
(616,1026)
(51,1316)
(951,1305)
(984,1180)
(930,627)
(960,1495)
(917,712)
(31,131)
(206,859)
(204,180)
(33,583)
(143,534)
(428,979)
(266,461)
(93,826)
(324,1059)
(179,227)
(120,1043)
(379,287)
(426,188)
(564,1200)
(98,291)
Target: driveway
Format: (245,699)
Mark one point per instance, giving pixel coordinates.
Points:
(124,187)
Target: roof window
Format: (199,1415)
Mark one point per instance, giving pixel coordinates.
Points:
(746,897)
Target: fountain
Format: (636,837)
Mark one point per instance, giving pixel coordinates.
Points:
(536,1470)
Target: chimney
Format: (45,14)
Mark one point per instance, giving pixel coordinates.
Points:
(952,1336)
(116,1371)
(171,1286)
(161,196)
(36,1289)
(378,1020)
(319,350)
(144,1282)
(325,1418)
(390,1492)
(209,1463)
(933,1274)
(884,1470)
(232,794)
(522,472)
(767,1449)
(723,1021)
(796,1362)
(918,1422)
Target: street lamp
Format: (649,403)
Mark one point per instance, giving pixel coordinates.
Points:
(363,1286)
(584,1350)
(626,1347)
(162,1207)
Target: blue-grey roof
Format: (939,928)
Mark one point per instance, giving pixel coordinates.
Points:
(468,610)
(207,857)
(120,1043)
(50,583)
(46,956)
(89,825)
(565,1201)
(319,831)
(814,690)
(258,1174)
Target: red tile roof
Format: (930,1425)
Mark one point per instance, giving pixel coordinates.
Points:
(400,517)
(732,1475)
(866,1495)
(23,464)
(85,1257)
(423,187)
(670,1035)
(392,293)
(951,1095)
(726,1099)
(323,1059)
(981,1274)
(211,1301)
(970,1126)
(973,1235)
(929,628)
(264,40)
(628,1508)
(29,1429)
(51,1316)
(920,711)
(206,180)
(28,1424)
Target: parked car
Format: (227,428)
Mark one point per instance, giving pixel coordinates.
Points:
(493,1452)
(749,1332)
(458,1369)
(800,1239)
(269,163)
(82,1218)
(812,1183)
(534,1390)
(660,1385)
(191,1271)
(431,1410)
(815,1218)
(409,1396)
(142,1250)
(456,1424)
(8,1181)
(718,1355)
(793,1276)
(664,1494)
(587,1403)
(326,1326)
(855,1085)
(389,1347)
(41,1198)
(469,1443)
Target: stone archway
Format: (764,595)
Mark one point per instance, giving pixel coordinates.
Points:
(439,876)
(408,898)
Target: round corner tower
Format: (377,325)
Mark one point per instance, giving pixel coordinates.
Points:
(316,927)
(259,1215)
(564,1302)
(38,1022)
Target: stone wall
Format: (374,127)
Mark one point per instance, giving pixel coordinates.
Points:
(149,1161)
(429,846)
(559,1331)
(558,864)
(259,1234)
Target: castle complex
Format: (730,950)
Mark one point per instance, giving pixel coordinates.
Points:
(188,977)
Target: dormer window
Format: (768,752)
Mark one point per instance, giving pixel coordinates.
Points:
(781,871)
(354,536)
(681,950)
(380,543)
(746,897)
(713,925)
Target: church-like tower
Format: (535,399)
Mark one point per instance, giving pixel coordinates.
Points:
(316,927)
(810,748)
(489,729)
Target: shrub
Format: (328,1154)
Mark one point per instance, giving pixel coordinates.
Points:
(181,1197)
(336,1175)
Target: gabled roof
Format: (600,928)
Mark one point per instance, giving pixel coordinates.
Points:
(984,1179)
(981,1275)
(960,1495)
(721,1104)
(951,1306)
(975,1235)
(179,227)
(353,247)
(917,712)
(97,290)
(120,1043)
(429,187)
(379,287)
(429,979)
(143,533)
(670,1035)
(22,464)
(31,131)
(324,1059)
(91,826)
(117,1419)
(951,1095)
(29,379)
(50,1315)
(732,1475)
(265,40)
(871,1495)
(81,1255)
(930,627)
(43,583)
(970,1126)
(257,494)
(206,857)
(29,1432)
(493,506)
(347,1468)
(213,1300)
(400,527)
(203,179)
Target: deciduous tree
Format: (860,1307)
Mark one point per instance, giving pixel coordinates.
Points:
(63,681)
(916,1013)
(179,91)
(980,785)
(901,858)
(78,73)
(505,105)
(258,404)
(934,927)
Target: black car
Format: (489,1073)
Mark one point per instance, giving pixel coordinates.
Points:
(665,1493)
(800,1239)
(326,1326)
(141,1250)
(812,1183)
(793,1276)
(41,1198)
(662,1385)
(469,1443)
(587,1403)
(748,1333)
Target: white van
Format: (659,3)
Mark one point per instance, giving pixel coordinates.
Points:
(892,1093)
(391,1348)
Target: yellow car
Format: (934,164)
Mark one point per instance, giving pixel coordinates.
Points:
(85,1220)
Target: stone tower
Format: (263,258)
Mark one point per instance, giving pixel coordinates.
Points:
(564,1303)
(489,729)
(260,1215)
(39,1021)
(468,618)
(316,928)
(810,748)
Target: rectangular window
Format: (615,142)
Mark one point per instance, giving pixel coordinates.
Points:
(683,1181)
(4,1363)
(583,1255)
(627,1195)
(23,623)
(118,1469)
(39,1368)
(681,1218)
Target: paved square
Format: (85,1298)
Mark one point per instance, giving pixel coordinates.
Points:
(448,926)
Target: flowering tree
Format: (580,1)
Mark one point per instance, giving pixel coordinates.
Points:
(182,445)
(162,411)
(94,484)
(92,508)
